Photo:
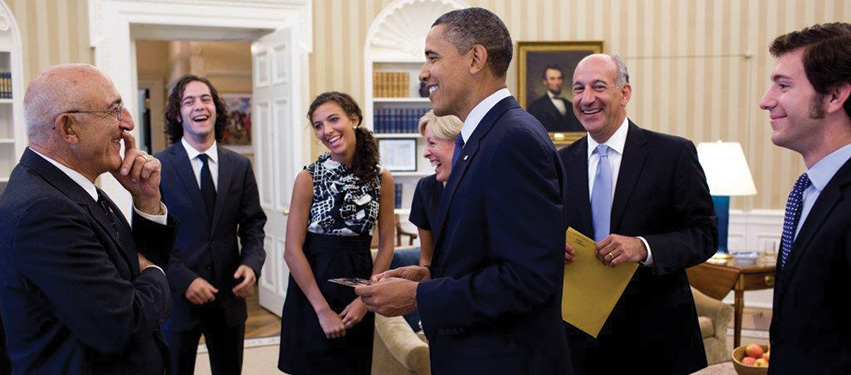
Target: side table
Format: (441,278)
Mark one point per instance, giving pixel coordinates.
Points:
(718,278)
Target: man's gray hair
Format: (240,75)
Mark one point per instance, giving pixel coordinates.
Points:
(468,27)
(48,94)
(622,78)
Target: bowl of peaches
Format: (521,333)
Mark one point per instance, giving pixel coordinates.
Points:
(751,359)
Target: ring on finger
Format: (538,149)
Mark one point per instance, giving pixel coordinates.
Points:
(612,254)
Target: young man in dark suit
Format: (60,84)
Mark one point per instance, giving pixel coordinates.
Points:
(552,110)
(643,197)
(79,290)
(490,303)
(810,110)
(214,194)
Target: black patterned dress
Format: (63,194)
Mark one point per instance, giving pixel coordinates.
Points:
(339,232)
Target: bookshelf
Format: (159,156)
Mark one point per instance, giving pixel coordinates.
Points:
(394,54)
(12,138)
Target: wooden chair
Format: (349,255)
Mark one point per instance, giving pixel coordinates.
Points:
(400,231)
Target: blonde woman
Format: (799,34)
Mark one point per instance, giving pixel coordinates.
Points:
(439,133)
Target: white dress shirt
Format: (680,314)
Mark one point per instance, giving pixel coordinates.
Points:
(197,164)
(479,111)
(820,174)
(558,103)
(616,143)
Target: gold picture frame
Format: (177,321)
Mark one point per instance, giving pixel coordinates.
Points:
(533,60)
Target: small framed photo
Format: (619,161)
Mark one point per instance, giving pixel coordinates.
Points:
(237,131)
(398,155)
(544,79)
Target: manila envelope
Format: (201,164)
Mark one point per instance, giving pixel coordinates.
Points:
(591,288)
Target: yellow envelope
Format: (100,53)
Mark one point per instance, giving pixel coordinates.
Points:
(591,288)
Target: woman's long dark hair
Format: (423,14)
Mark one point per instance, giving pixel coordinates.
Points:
(365,163)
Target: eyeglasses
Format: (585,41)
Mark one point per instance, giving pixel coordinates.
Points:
(118,112)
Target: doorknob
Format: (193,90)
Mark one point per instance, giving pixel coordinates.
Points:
(286,212)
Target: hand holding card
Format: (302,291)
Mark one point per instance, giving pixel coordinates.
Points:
(351,281)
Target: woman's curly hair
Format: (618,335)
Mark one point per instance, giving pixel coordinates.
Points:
(365,163)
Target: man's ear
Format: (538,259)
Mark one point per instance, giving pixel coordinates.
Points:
(479,57)
(837,95)
(66,126)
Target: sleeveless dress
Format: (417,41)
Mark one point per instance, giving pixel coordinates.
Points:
(339,232)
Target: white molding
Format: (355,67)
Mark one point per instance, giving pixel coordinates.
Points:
(9,26)
(112,22)
(753,231)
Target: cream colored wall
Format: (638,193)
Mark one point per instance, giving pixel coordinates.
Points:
(698,67)
(52,32)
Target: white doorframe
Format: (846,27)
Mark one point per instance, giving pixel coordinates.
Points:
(155,86)
(110,34)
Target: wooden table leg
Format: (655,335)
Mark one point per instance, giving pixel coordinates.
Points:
(738,307)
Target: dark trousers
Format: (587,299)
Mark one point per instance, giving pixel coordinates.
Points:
(224,345)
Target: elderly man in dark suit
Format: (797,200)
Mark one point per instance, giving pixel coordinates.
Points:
(810,110)
(212,191)
(79,293)
(552,110)
(643,197)
(490,302)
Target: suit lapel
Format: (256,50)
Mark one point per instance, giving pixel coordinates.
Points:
(822,209)
(183,169)
(468,156)
(632,161)
(577,176)
(65,185)
(225,171)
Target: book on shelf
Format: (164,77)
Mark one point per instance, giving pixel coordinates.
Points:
(390,84)
(5,85)
(398,120)
(398,197)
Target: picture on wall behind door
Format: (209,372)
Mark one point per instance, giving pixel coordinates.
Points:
(237,132)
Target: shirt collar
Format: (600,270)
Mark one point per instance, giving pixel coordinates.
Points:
(212,152)
(616,142)
(77,177)
(822,172)
(553,96)
(479,112)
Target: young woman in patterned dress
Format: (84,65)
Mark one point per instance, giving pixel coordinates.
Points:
(337,202)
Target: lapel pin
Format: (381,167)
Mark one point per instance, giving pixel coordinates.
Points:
(466,156)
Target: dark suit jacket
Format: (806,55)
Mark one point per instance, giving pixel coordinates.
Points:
(211,253)
(661,195)
(493,305)
(810,325)
(546,112)
(73,299)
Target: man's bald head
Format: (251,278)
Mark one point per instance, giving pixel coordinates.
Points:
(58,89)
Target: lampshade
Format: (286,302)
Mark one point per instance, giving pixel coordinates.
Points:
(726,169)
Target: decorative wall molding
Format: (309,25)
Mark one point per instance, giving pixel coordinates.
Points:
(399,31)
(4,22)
(755,230)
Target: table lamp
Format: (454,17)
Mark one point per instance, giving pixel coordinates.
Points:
(728,175)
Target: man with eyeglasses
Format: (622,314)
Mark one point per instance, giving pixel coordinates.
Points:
(80,292)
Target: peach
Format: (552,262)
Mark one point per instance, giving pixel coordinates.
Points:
(760,363)
(754,350)
(748,361)
(766,356)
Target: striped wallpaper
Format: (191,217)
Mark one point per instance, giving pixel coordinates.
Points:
(698,67)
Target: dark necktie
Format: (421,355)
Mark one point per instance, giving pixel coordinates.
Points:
(103,201)
(459,144)
(793,215)
(208,190)
(601,196)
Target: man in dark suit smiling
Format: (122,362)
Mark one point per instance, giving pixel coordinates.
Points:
(552,110)
(214,193)
(79,293)
(643,197)
(810,110)
(491,301)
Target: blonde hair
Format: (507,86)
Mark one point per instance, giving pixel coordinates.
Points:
(443,127)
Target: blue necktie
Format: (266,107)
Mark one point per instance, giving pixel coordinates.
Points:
(793,215)
(459,144)
(601,196)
